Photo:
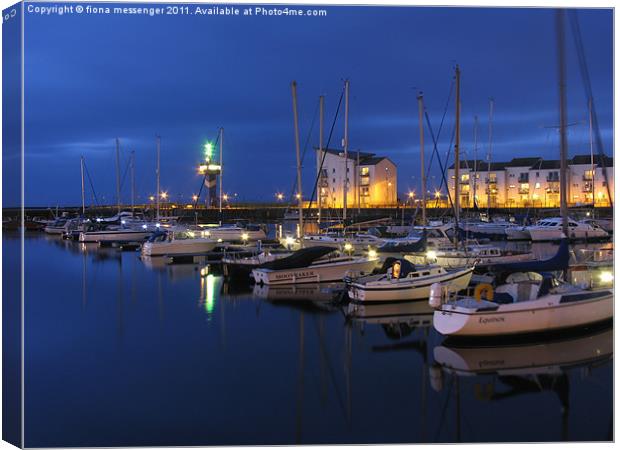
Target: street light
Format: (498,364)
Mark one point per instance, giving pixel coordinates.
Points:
(279,196)
(194,197)
(164,195)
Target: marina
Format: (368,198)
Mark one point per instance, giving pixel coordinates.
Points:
(184,334)
(224,228)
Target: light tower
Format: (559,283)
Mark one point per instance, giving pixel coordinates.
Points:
(211,170)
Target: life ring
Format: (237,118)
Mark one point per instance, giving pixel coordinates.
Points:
(486,288)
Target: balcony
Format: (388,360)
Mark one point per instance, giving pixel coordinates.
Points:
(587,188)
(553,178)
(524,178)
(524,191)
(490,181)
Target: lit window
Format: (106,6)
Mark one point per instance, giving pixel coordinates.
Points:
(537,185)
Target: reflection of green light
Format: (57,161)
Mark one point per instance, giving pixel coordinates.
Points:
(208,151)
(210,294)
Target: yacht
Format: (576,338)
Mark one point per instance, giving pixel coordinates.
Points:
(551,230)
(185,242)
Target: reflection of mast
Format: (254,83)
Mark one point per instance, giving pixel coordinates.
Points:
(84,279)
(300,381)
(348,345)
(119,299)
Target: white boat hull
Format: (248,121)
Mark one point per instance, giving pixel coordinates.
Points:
(541,234)
(316,273)
(517,234)
(178,247)
(407,289)
(114,236)
(548,313)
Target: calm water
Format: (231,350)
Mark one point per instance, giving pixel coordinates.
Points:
(123,353)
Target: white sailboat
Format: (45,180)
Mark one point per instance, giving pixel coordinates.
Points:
(403,281)
(527,303)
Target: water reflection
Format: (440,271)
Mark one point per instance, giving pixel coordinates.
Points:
(132,342)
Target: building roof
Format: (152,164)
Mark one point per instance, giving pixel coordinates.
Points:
(523,162)
(480,164)
(598,160)
(366,159)
(546,164)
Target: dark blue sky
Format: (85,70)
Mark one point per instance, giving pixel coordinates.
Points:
(92,78)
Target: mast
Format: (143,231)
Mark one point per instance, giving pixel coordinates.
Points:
(491,105)
(133,180)
(118,177)
(457,143)
(221,170)
(559,22)
(346,149)
(300,197)
(318,165)
(475,157)
(591,149)
(423,172)
(82,174)
(357,180)
(157,175)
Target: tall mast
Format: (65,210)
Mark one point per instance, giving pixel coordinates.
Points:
(157,195)
(491,105)
(299,194)
(318,165)
(118,177)
(346,149)
(559,22)
(422,168)
(475,156)
(221,170)
(133,180)
(457,143)
(82,174)
(591,148)
(357,180)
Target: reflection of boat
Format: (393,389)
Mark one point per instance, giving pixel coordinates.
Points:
(312,265)
(399,280)
(177,243)
(519,359)
(319,292)
(526,303)
(414,314)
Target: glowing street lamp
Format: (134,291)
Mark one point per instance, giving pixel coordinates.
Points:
(297,196)
(164,195)
(225,197)
(279,196)
(152,198)
(411,194)
(194,197)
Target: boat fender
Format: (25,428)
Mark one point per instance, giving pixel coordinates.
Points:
(434,299)
(486,288)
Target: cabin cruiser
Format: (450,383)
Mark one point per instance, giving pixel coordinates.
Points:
(356,242)
(399,280)
(235,233)
(551,230)
(527,302)
(184,242)
(58,226)
(313,265)
(479,255)
(233,266)
(115,233)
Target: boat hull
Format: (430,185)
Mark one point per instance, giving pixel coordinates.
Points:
(538,235)
(408,289)
(185,247)
(114,236)
(549,313)
(318,273)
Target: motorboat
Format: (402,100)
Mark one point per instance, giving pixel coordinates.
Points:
(235,233)
(241,267)
(399,280)
(114,233)
(551,230)
(483,255)
(356,242)
(58,226)
(313,265)
(528,302)
(185,242)
(494,229)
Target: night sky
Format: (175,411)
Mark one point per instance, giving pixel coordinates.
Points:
(90,79)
